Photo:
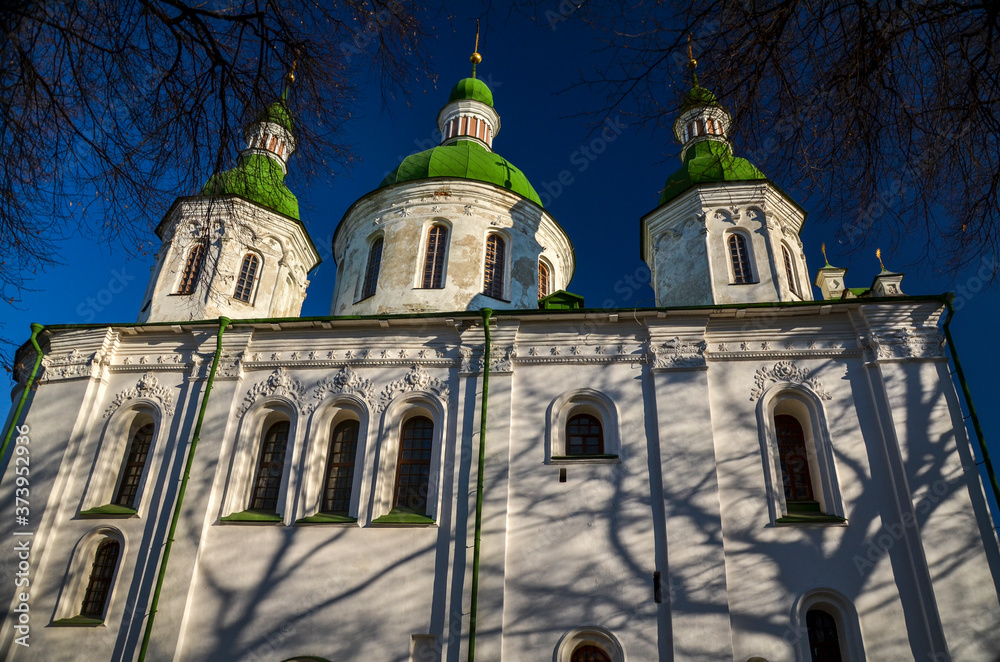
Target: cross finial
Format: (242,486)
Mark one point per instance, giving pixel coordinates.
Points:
(476,58)
(878,254)
(289,79)
(692,63)
(822,247)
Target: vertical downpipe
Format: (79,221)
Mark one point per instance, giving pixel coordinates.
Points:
(486,313)
(35,330)
(968,401)
(224,323)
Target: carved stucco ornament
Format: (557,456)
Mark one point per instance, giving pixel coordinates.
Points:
(416,380)
(345,381)
(678,353)
(278,382)
(786,372)
(147,387)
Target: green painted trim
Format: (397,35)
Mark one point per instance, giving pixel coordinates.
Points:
(109,510)
(561,300)
(306,658)
(35,330)
(601,456)
(987,462)
(224,323)
(809,519)
(254,516)
(325,518)
(486,313)
(403,516)
(77,622)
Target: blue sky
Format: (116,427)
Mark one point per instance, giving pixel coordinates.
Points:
(597,190)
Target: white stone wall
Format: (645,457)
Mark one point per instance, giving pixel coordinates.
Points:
(402,215)
(690,495)
(685,244)
(231,227)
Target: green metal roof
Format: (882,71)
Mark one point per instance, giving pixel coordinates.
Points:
(698,96)
(278,113)
(707,162)
(471,88)
(257,178)
(465,159)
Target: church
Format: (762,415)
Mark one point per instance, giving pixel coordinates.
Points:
(464,462)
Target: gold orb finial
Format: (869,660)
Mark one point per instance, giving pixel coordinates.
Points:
(475,58)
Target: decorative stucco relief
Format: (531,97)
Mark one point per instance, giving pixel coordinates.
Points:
(147,387)
(416,380)
(345,381)
(905,343)
(787,372)
(278,383)
(678,353)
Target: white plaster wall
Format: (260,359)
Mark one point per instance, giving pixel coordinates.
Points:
(231,227)
(403,214)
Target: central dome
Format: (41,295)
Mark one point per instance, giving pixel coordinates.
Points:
(464,159)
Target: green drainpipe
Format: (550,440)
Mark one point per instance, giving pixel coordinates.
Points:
(948,298)
(224,322)
(35,330)
(486,313)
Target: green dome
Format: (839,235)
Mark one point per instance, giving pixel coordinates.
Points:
(698,96)
(708,162)
(260,180)
(278,113)
(471,88)
(464,159)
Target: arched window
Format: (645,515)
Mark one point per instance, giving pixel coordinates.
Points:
(589,653)
(496,255)
(543,280)
(824,642)
(437,239)
(270,468)
(789,271)
(101,574)
(584,435)
(740,259)
(340,469)
(794,459)
(135,464)
(192,269)
(371,271)
(413,470)
(248,275)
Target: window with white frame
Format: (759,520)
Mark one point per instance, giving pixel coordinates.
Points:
(800,469)
(582,426)
(437,243)
(830,622)
(247,279)
(741,264)
(86,596)
(372,268)
(192,269)
(589,644)
(790,271)
(124,462)
(495,266)
(257,489)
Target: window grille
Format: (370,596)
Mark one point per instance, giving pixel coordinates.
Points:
(789,272)
(824,643)
(794,458)
(270,468)
(101,574)
(740,259)
(135,463)
(192,270)
(434,262)
(414,467)
(543,280)
(248,275)
(371,272)
(496,250)
(340,469)
(584,435)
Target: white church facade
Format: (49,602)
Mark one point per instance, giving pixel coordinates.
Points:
(464,462)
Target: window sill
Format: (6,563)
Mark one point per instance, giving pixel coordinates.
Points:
(110,510)
(254,517)
(807,512)
(77,622)
(751,282)
(403,517)
(327,518)
(490,296)
(584,459)
(365,298)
